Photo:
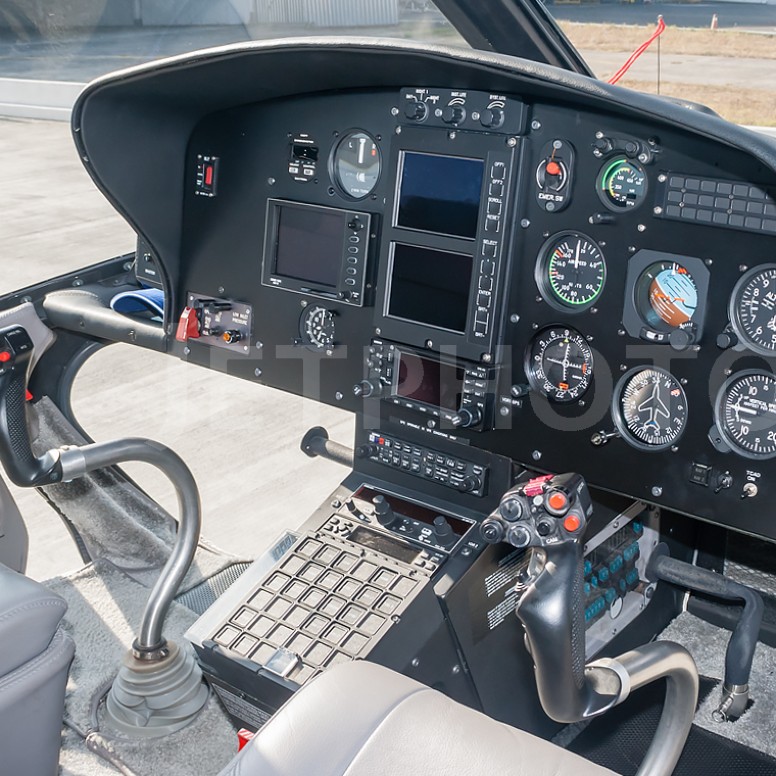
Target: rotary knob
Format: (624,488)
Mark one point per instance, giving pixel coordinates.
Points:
(492,531)
(365,389)
(416,111)
(519,536)
(492,118)
(454,114)
(468,416)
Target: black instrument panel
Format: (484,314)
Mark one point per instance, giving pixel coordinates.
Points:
(581,285)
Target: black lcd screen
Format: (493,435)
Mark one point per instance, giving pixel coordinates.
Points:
(310,244)
(429,381)
(430,286)
(440,194)
(384,544)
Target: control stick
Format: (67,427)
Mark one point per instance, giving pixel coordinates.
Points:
(156,675)
(547,516)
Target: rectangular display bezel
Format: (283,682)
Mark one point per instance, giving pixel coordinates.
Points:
(350,282)
(404,354)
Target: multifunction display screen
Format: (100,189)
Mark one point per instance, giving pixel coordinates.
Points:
(430,287)
(429,381)
(440,194)
(309,244)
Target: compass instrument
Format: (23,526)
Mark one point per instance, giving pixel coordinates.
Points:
(559,364)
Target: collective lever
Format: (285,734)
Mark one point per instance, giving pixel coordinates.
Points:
(547,516)
(167,676)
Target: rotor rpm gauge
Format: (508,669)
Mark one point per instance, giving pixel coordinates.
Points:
(745,413)
(622,184)
(570,271)
(559,364)
(649,408)
(316,327)
(753,309)
(356,164)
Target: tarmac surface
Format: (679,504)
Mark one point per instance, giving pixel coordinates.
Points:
(241,440)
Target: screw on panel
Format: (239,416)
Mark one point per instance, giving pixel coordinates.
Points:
(186,351)
(658,210)
(452,134)
(742,268)
(641,228)
(259,345)
(536,455)
(415,662)
(257,372)
(525,223)
(536,125)
(127,266)
(394,111)
(511,142)
(429,343)
(338,396)
(621,332)
(78,282)
(486,358)
(456,670)
(504,411)
(378,331)
(708,262)
(657,491)
(674,448)
(270,181)
(397,130)
(221,290)
(514,318)
(662,177)
(623,368)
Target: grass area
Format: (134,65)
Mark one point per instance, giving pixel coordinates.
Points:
(675,40)
(743,106)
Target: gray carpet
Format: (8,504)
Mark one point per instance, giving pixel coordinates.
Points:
(105,607)
(116,520)
(707,644)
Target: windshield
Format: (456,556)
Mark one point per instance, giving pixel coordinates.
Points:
(82,40)
(721,54)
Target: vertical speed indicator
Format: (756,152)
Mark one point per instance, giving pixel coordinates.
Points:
(753,309)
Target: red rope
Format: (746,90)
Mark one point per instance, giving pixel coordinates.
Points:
(661,25)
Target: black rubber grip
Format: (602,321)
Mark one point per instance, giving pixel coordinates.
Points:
(20,463)
(740,650)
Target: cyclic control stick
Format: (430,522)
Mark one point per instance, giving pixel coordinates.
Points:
(547,517)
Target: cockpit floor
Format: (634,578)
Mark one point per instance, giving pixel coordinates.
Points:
(621,747)
(105,606)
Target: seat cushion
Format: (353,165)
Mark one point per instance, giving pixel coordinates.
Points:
(29,616)
(360,719)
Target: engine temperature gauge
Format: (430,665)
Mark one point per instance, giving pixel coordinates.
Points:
(316,327)
(622,184)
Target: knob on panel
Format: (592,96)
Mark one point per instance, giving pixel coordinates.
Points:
(467,416)
(416,111)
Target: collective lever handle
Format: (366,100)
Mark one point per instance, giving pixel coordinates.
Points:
(23,467)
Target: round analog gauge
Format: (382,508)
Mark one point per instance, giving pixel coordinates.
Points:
(745,413)
(316,327)
(666,296)
(559,364)
(753,309)
(622,184)
(356,164)
(570,271)
(650,408)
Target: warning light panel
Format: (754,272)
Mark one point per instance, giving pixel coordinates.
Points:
(207,175)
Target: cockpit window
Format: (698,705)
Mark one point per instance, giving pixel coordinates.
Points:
(79,41)
(721,55)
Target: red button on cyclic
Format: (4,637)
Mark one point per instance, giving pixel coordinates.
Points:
(5,356)
(557,502)
(572,523)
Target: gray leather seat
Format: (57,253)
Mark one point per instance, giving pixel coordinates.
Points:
(359,719)
(34,660)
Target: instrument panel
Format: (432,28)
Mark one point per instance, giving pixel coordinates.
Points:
(577,290)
